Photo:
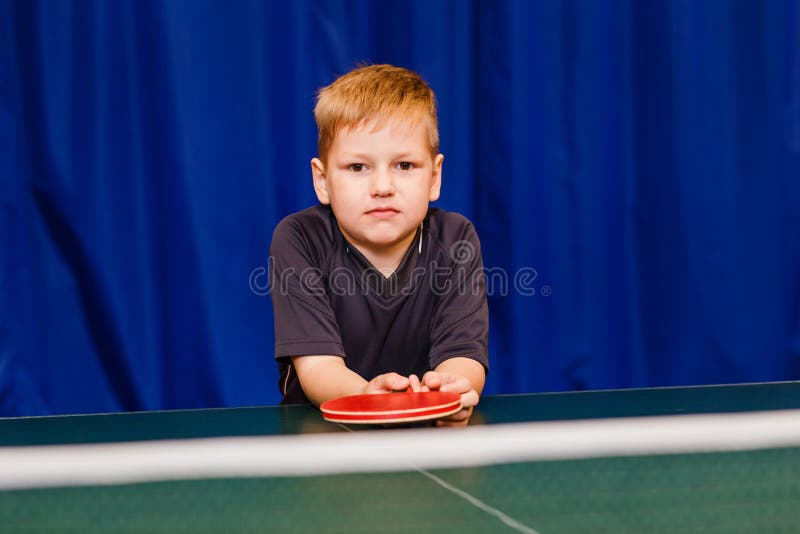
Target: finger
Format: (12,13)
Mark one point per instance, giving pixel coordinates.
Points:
(432,379)
(396,382)
(460,418)
(386,383)
(414,383)
(469,399)
(460,415)
(455,383)
(444,423)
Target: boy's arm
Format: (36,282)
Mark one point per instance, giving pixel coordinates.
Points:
(460,325)
(327,377)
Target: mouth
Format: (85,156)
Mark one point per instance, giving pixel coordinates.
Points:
(383,212)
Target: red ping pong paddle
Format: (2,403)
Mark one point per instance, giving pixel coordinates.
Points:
(391,407)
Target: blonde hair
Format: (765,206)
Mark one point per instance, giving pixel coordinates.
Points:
(375,93)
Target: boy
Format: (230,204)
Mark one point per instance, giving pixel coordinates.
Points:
(371,288)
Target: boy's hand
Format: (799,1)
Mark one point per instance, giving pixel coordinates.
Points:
(389,382)
(435,380)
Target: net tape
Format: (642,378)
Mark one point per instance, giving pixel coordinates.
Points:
(392,450)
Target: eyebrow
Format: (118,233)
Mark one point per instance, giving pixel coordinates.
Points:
(402,156)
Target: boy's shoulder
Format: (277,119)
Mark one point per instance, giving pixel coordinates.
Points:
(309,234)
(449,227)
(315,223)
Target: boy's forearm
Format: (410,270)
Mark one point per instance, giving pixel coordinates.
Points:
(326,377)
(466,367)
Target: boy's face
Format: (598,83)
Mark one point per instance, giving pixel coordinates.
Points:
(378,184)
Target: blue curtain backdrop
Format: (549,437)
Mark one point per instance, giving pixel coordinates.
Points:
(633,166)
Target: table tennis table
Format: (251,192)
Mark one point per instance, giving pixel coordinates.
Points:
(747,488)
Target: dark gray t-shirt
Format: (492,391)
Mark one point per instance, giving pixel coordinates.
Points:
(329,299)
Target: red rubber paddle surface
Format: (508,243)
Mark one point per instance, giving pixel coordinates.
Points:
(384,408)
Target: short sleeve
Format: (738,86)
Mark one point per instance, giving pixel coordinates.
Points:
(461,317)
(304,321)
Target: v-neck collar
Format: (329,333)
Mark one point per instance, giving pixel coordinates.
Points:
(371,279)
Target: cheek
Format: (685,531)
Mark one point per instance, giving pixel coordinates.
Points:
(348,201)
(342,192)
(422,191)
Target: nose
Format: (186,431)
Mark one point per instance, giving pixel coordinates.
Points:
(382,184)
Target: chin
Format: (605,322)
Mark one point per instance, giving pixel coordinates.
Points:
(386,240)
(382,242)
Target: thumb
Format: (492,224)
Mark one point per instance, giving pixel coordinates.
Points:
(386,383)
(396,382)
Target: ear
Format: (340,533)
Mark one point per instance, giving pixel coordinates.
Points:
(320,181)
(436,178)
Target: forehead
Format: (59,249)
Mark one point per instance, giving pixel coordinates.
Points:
(387,134)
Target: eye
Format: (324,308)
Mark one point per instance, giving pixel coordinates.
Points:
(356,167)
(405,165)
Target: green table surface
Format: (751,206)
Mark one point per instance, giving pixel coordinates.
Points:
(275,420)
(744,491)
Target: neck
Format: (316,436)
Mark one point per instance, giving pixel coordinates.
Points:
(385,259)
